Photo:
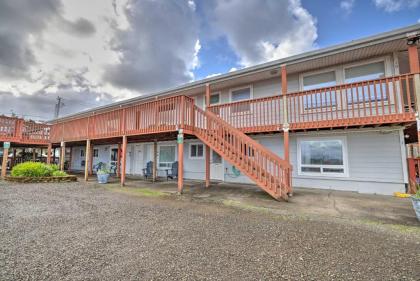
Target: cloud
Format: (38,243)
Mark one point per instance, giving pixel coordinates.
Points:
(160,47)
(80,27)
(19,20)
(347,6)
(396,5)
(260,31)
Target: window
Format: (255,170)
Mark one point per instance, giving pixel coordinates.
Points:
(166,156)
(315,81)
(325,157)
(319,80)
(95,153)
(114,154)
(240,95)
(82,153)
(196,150)
(364,72)
(215,99)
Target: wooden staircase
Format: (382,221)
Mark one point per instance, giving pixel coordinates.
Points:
(266,169)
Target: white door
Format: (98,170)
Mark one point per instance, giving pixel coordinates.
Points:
(138,159)
(216,167)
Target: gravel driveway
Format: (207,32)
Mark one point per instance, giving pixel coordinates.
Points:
(76,232)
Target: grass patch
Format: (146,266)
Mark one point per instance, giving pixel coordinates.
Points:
(404,229)
(245,206)
(137,191)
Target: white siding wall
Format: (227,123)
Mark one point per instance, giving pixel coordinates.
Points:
(375,162)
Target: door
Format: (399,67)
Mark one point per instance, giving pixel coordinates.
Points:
(113,160)
(138,159)
(216,167)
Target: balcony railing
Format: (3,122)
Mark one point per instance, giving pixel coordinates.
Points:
(22,131)
(163,115)
(385,100)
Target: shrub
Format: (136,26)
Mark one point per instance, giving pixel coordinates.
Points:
(31,169)
(59,174)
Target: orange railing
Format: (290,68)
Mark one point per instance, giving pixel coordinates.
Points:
(18,130)
(413,162)
(385,100)
(265,168)
(163,115)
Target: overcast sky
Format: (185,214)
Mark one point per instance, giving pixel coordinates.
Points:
(98,51)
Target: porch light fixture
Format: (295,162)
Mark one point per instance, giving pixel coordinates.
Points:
(413,38)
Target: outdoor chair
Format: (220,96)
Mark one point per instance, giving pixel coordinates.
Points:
(148,171)
(173,171)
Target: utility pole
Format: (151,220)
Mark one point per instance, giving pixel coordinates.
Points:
(58,106)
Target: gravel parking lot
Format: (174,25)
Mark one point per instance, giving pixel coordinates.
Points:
(73,231)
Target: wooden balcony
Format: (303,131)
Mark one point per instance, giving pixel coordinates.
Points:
(160,116)
(375,102)
(25,132)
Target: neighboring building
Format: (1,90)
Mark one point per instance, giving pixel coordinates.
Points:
(339,116)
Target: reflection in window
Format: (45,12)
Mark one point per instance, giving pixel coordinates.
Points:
(366,92)
(323,98)
(196,150)
(166,156)
(240,95)
(322,157)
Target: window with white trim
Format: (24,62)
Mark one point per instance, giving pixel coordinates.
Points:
(241,94)
(215,98)
(369,71)
(166,156)
(315,81)
(95,153)
(326,157)
(196,150)
(82,153)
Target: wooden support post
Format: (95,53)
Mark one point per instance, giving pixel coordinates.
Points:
(123,160)
(119,160)
(4,162)
(155,161)
(33,154)
(71,158)
(207,156)
(49,153)
(413,58)
(285,113)
(91,160)
(53,156)
(207,148)
(13,159)
(62,155)
(87,159)
(180,166)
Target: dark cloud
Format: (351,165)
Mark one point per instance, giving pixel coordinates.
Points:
(18,20)
(157,50)
(40,105)
(80,27)
(262,30)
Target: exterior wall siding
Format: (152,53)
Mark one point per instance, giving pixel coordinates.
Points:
(375,162)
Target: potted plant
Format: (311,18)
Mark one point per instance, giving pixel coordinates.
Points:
(416,202)
(102,173)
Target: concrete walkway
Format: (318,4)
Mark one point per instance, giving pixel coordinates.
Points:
(315,203)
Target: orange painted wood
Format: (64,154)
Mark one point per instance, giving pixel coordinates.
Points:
(180,167)
(413,59)
(244,153)
(4,162)
(123,160)
(379,101)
